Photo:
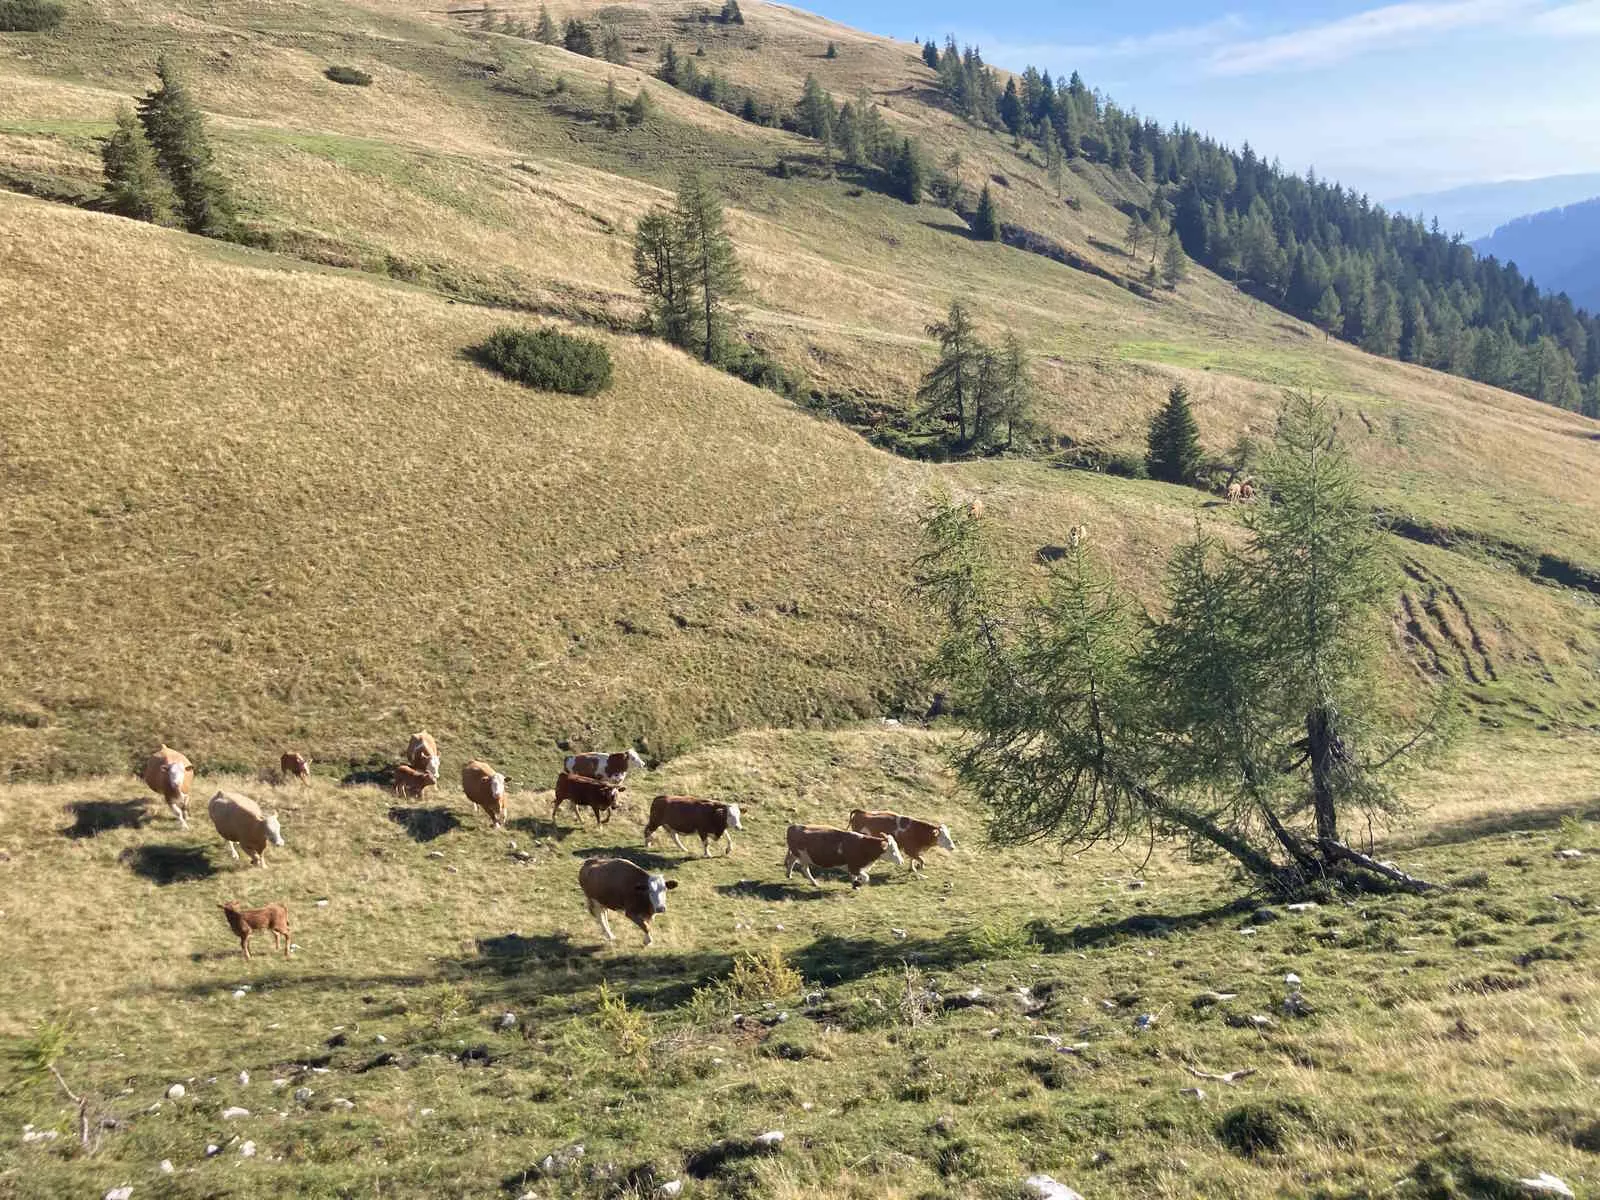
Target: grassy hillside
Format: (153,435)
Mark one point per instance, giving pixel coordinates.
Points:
(1452,1048)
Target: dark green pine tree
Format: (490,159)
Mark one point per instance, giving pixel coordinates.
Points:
(545,31)
(176,130)
(930,54)
(579,38)
(1174,443)
(906,173)
(815,111)
(135,186)
(986,222)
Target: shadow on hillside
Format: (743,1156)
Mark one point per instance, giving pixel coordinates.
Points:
(166,863)
(637,855)
(951,227)
(369,773)
(425,824)
(831,960)
(1106,247)
(540,828)
(1141,925)
(93,817)
(528,969)
(770,891)
(1469,829)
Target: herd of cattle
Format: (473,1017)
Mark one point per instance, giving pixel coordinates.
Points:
(592,781)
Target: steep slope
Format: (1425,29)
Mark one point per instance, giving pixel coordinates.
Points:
(1560,248)
(294,511)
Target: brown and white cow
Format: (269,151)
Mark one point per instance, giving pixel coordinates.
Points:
(168,774)
(710,819)
(410,782)
(613,768)
(581,791)
(915,838)
(486,788)
(823,847)
(619,885)
(422,753)
(295,765)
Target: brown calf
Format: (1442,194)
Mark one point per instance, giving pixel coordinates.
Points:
(819,846)
(593,794)
(245,921)
(619,885)
(296,765)
(710,819)
(915,838)
(410,782)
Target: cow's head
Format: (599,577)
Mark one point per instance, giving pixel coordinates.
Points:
(658,888)
(635,763)
(274,831)
(892,849)
(175,776)
(733,817)
(946,842)
(433,765)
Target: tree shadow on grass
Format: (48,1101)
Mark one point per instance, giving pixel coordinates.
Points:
(649,860)
(166,863)
(1052,940)
(425,824)
(1470,829)
(524,970)
(768,891)
(540,828)
(93,817)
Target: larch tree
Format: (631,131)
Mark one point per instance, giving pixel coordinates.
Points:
(708,253)
(1174,263)
(947,391)
(1329,313)
(1242,721)
(661,273)
(176,130)
(135,186)
(545,31)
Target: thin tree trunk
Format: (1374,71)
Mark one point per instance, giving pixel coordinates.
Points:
(1323,745)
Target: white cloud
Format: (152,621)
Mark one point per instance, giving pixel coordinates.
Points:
(1570,20)
(1146,45)
(1378,28)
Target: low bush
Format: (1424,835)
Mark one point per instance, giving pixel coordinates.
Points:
(349,75)
(30,16)
(548,360)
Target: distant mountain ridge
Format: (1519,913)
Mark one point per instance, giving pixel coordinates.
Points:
(1558,249)
(1476,210)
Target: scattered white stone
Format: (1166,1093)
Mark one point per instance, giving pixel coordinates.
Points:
(244,1078)
(379,1038)
(320,1070)
(239,993)
(670,1188)
(341,1102)
(1042,1187)
(212,1149)
(806,1105)
(426,1112)
(125,1192)
(1563,854)
(508,1020)
(529,1196)
(435,853)
(561,1159)
(166,1166)
(1303,906)
(280,1083)
(322,904)
(898,933)
(1292,980)
(1247,931)
(1194,1093)
(770,1140)
(1262,1022)
(234,1113)
(1546,1184)
(302,1094)
(30,1134)
(247,1150)
(779,926)
(175,1092)
(1075,1048)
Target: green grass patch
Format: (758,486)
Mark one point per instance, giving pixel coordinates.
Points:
(30,16)
(548,360)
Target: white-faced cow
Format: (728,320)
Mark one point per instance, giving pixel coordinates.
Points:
(915,838)
(168,774)
(618,885)
(581,791)
(707,819)
(613,767)
(486,788)
(823,847)
(422,754)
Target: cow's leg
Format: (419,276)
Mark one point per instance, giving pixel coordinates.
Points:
(258,858)
(643,922)
(177,811)
(244,941)
(649,832)
(678,842)
(789,861)
(598,912)
(916,865)
(729,837)
(286,941)
(705,846)
(806,867)
(232,849)
(860,879)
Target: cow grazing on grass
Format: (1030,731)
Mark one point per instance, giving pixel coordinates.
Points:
(618,885)
(1247,490)
(915,838)
(422,754)
(822,847)
(245,921)
(613,768)
(168,774)
(709,819)
(486,788)
(411,783)
(296,766)
(582,791)
(1235,492)
(240,822)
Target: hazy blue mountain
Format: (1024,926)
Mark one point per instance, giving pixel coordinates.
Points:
(1559,250)
(1476,210)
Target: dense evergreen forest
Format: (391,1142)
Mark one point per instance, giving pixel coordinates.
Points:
(1390,283)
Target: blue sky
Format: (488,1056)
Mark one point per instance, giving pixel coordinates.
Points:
(1391,99)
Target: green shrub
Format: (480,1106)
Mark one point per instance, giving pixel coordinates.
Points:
(349,75)
(548,360)
(30,16)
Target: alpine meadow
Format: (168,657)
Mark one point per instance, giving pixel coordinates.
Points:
(1066,654)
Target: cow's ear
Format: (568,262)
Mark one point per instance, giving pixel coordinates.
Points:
(671,883)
